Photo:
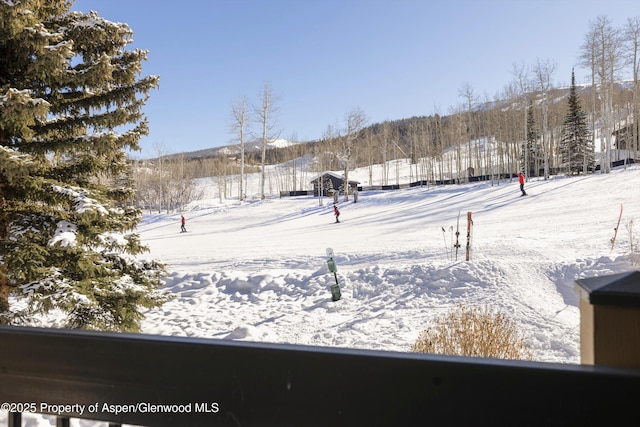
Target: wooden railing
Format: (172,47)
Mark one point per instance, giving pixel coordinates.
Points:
(168,381)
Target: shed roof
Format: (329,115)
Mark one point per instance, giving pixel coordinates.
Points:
(622,289)
(335,175)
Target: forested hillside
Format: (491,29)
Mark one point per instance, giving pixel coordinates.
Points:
(531,126)
(485,141)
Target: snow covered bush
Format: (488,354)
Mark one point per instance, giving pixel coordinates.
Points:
(473,331)
(634,256)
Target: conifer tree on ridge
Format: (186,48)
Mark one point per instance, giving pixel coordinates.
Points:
(576,145)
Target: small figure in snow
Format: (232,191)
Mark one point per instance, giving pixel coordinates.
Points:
(183,221)
(336,212)
(521,178)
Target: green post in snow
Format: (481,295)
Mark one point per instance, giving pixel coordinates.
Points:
(333,268)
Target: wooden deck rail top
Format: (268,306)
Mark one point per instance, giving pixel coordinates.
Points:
(170,381)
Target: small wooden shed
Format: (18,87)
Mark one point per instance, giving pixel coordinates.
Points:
(331,182)
(610,320)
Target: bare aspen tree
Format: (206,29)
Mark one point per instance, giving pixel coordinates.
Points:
(385,144)
(422,151)
(265,114)
(455,134)
(439,144)
(369,141)
(329,135)
(503,135)
(395,139)
(295,156)
(470,101)
(521,76)
(588,60)
(181,188)
(544,70)
(355,121)
(161,181)
(601,53)
(413,137)
(300,162)
(240,117)
(493,147)
(484,156)
(631,34)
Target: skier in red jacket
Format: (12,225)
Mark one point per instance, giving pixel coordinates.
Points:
(521,177)
(336,212)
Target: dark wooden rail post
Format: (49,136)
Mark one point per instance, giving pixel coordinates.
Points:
(610,320)
(14,419)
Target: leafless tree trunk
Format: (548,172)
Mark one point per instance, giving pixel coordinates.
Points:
(601,52)
(355,120)
(522,81)
(240,116)
(544,71)
(466,92)
(265,114)
(329,135)
(455,134)
(385,150)
(369,139)
(439,145)
(632,39)
(588,60)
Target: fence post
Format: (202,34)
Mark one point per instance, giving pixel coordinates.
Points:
(469,231)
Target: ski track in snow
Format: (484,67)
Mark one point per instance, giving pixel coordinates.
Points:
(256,270)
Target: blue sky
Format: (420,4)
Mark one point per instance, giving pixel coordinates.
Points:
(392,59)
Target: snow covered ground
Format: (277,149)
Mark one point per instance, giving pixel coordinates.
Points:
(257,270)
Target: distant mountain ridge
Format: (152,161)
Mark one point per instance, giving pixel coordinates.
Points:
(403,126)
(231,149)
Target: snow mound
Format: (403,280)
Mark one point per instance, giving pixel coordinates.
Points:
(257,271)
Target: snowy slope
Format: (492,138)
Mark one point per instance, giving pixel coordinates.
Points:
(257,270)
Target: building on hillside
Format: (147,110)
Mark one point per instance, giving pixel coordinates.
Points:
(624,137)
(330,182)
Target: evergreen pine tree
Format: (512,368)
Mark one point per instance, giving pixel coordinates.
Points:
(533,155)
(576,145)
(70,107)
